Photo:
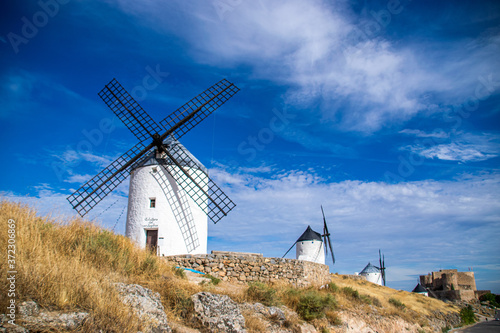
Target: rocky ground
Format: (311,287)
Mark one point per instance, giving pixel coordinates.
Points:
(219,313)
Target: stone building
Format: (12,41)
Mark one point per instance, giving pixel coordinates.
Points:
(450,284)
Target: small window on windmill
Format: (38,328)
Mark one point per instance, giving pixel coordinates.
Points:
(152,202)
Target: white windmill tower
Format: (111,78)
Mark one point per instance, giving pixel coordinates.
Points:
(170,195)
(310,246)
(160,214)
(375,274)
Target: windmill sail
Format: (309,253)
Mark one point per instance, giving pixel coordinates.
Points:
(326,237)
(93,191)
(381,260)
(145,128)
(129,111)
(197,184)
(193,112)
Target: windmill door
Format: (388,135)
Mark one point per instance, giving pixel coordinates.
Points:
(151,240)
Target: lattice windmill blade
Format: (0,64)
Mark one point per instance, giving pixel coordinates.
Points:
(326,237)
(204,192)
(129,111)
(331,250)
(96,189)
(381,261)
(180,208)
(193,112)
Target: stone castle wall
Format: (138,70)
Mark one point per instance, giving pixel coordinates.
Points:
(451,284)
(250,267)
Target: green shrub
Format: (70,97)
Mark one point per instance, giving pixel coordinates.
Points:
(312,305)
(215,281)
(369,300)
(467,316)
(333,287)
(179,271)
(445,329)
(489,297)
(397,303)
(260,292)
(350,292)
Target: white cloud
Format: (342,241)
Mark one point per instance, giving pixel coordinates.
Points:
(314,48)
(464,147)
(439,133)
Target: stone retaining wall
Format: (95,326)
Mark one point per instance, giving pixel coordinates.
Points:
(249,267)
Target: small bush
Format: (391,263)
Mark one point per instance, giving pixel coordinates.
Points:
(312,305)
(350,292)
(179,271)
(260,292)
(215,281)
(366,299)
(445,329)
(397,303)
(467,316)
(489,297)
(291,297)
(333,287)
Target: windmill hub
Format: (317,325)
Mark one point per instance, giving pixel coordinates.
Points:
(157,141)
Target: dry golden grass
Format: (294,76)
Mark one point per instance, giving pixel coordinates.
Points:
(418,303)
(72,265)
(253,323)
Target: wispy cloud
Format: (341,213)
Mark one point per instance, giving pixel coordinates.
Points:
(464,147)
(19,89)
(360,84)
(439,134)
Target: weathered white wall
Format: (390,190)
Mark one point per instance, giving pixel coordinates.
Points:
(373,277)
(311,250)
(143,186)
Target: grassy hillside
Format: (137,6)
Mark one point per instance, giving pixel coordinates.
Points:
(69,265)
(72,264)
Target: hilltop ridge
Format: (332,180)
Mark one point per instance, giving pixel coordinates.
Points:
(73,266)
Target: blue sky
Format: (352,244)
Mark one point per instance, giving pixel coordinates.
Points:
(384,112)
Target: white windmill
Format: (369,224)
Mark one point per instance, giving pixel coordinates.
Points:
(310,246)
(170,194)
(375,274)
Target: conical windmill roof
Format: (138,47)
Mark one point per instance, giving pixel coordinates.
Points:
(173,146)
(309,234)
(370,269)
(419,289)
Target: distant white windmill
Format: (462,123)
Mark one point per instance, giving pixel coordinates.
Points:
(375,274)
(310,246)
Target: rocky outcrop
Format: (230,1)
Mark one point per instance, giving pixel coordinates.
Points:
(32,318)
(146,305)
(217,313)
